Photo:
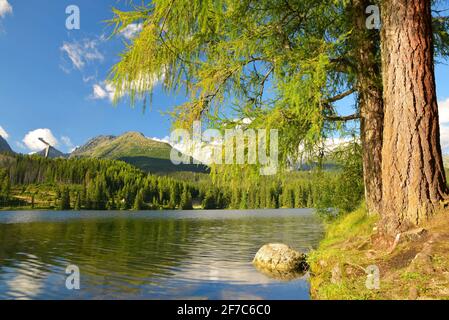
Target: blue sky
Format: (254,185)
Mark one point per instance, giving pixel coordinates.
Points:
(42,86)
(48,76)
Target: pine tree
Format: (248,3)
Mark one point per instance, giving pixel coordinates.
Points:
(64,203)
(138,202)
(209,201)
(111,204)
(78,202)
(413,175)
(244,200)
(186,200)
(172,200)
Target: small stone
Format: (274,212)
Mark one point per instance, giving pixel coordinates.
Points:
(322,263)
(415,234)
(422,262)
(336,275)
(413,293)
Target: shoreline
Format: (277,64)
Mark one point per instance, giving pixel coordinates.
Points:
(416,268)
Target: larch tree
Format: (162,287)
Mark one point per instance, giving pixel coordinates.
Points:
(366,51)
(283,64)
(414,182)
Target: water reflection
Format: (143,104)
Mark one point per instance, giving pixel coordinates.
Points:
(202,254)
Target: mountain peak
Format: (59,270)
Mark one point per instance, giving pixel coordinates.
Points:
(133,147)
(133,134)
(4,146)
(52,153)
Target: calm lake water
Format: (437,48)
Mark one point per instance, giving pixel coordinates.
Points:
(149,255)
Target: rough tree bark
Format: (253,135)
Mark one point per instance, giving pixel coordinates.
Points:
(414,182)
(369,88)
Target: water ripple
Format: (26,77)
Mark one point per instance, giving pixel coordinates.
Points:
(149,255)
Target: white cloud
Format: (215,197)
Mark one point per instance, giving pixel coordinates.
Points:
(82,52)
(444,139)
(3,133)
(87,79)
(132,30)
(165,139)
(443,112)
(67,142)
(20,145)
(5,8)
(33,143)
(105,90)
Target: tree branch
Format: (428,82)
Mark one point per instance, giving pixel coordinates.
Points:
(354,116)
(340,96)
(342,64)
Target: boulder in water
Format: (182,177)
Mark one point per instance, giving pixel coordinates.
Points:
(280,257)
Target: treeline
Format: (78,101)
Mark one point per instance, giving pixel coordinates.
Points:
(92,184)
(267,192)
(5,185)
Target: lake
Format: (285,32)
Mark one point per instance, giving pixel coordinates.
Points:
(151,254)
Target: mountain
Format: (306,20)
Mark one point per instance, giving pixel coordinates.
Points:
(4,146)
(53,153)
(134,148)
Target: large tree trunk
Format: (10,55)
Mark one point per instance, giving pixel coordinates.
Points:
(414,182)
(369,88)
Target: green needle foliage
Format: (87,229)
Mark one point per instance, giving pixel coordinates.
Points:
(282,64)
(273,62)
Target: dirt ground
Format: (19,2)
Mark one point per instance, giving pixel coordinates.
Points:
(415,266)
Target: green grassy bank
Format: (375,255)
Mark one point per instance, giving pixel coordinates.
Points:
(417,268)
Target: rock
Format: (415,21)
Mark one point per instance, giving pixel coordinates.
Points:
(322,263)
(336,275)
(423,261)
(281,274)
(408,236)
(413,293)
(415,234)
(280,257)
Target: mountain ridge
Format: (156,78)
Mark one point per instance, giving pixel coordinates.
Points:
(134,148)
(53,153)
(4,145)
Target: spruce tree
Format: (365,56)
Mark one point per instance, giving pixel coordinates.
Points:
(64,203)
(138,202)
(186,200)
(78,202)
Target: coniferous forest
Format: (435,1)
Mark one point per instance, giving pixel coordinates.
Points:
(34,182)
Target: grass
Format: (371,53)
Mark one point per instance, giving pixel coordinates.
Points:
(44,197)
(338,255)
(338,265)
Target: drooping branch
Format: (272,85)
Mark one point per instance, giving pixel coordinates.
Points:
(351,117)
(340,96)
(262,83)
